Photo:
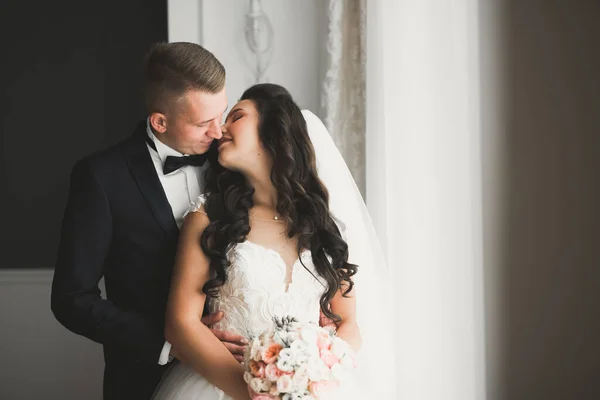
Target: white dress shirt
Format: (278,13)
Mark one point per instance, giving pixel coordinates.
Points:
(181,187)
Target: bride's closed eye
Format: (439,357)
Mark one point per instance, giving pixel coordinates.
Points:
(235,115)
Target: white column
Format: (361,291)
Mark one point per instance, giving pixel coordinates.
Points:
(185,20)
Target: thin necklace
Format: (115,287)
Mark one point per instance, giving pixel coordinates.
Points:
(276,218)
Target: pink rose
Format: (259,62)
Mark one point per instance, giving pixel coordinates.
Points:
(329,358)
(323,342)
(257,369)
(272,372)
(269,354)
(322,388)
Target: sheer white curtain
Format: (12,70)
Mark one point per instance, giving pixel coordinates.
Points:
(343,88)
(423,188)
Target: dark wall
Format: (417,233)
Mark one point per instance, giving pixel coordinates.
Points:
(551,263)
(70,84)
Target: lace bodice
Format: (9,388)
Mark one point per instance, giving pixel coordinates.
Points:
(256,288)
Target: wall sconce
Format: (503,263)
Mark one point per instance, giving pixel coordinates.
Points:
(259,37)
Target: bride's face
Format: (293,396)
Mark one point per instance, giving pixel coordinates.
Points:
(240,147)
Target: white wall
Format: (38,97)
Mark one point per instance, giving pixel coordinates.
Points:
(184,20)
(296,62)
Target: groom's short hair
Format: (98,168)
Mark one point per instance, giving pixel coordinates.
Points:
(172,69)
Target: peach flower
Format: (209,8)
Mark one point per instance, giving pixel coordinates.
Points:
(257,368)
(322,388)
(270,353)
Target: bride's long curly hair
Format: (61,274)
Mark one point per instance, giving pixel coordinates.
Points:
(302,199)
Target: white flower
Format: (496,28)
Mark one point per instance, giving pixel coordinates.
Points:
(255,349)
(286,354)
(294,396)
(339,348)
(293,336)
(348,361)
(302,369)
(317,370)
(338,372)
(286,360)
(285,365)
(309,335)
(298,346)
(281,337)
(284,384)
(257,384)
(301,358)
(247,377)
(300,378)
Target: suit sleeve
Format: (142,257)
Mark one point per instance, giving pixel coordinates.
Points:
(75,301)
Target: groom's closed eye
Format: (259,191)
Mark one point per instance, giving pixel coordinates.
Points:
(205,123)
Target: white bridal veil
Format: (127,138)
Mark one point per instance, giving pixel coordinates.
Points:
(374,288)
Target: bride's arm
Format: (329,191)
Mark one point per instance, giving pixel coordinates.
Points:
(194,343)
(347,328)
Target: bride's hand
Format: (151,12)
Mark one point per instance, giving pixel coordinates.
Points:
(236,344)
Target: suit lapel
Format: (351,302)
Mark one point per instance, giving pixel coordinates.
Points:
(144,172)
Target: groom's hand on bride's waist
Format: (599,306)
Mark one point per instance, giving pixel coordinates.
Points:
(236,344)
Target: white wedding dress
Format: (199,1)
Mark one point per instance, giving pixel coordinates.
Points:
(255,292)
(256,289)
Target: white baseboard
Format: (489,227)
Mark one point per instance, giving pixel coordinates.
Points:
(22,276)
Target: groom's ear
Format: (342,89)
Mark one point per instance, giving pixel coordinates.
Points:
(158,122)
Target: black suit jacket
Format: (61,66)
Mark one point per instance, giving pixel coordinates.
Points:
(118,224)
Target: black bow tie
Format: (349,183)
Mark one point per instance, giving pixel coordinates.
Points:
(173,163)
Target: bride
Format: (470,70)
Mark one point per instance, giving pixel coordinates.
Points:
(263,242)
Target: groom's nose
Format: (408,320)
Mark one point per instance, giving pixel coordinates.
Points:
(214,130)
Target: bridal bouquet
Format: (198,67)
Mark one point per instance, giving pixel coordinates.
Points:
(292,361)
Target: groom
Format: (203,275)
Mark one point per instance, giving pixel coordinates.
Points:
(122,219)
